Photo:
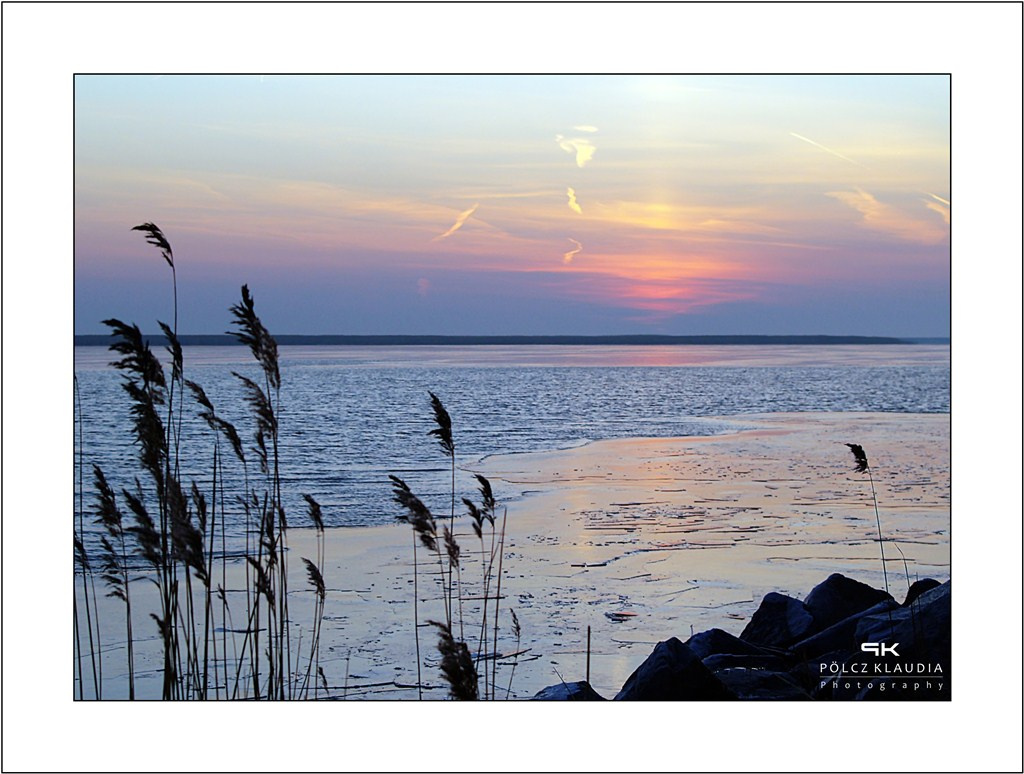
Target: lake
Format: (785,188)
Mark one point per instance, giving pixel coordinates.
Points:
(351,415)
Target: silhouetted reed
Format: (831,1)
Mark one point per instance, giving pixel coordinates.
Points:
(83,565)
(316,579)
(443,433)
(424,530)
(115,559)
(518,632)
(456,665)
(172,530)
(419,516)
(862,466)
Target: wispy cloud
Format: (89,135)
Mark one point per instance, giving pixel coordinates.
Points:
(459,221)
(940,206)
(573,204)
(582,147)
(827,150)
(567,258)
(423,286)
(884,217)
(585,128)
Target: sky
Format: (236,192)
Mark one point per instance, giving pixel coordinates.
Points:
(517,204)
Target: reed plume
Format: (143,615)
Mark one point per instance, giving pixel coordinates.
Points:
(253,334)
(417,514)
(146,386)
(443,433)
(265,401)
(424,530)
(115,559)
(518,632)
(456,665)
(479,515)
(862,466)
(316,580)
(155,237)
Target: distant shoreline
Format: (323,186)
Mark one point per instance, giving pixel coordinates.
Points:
(216,340)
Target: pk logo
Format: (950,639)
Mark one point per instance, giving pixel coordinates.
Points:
(879,648)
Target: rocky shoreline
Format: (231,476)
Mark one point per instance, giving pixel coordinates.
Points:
(844,641)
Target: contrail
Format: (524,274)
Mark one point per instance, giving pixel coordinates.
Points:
(567,258)
(463,217)
(573,205)
(827,150)
(939,199)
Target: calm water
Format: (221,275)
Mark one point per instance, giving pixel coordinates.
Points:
(352,415)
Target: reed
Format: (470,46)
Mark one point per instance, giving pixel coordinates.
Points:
(497,604)
(165,530)
(456,665)
(264,401)
(115,560)
(424,531)
(518,632)
(419,516)
(862,466)
(443,433)
(145,383)
(168,532)
(82,564)
(314,570)
(485,513)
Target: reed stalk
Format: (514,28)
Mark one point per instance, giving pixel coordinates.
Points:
(443,433)
(862,466)
(478,517)
(115,560)
(517,631)
(316,580)
(82,560)
(424,526)
(497,603)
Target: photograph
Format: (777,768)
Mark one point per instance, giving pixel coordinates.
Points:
(501,387)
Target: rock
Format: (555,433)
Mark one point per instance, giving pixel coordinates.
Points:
(580,691)
(916,668)
(923,628)
(719,661)
(919,588)
(778,622)
(759,684)
(840,636)
(838,597)
(715,641)
(673,672)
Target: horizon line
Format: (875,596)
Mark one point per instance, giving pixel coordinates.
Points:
(227,339)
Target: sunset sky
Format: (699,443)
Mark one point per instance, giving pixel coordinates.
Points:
(518,205)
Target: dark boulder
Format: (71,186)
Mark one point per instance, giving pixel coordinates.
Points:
(915,662)
(761,685)
(580,691)
(715,641)
(673,672)
(840,636)
(838,597)
(919,588)
(779,622)
(719,661)
(923,628)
